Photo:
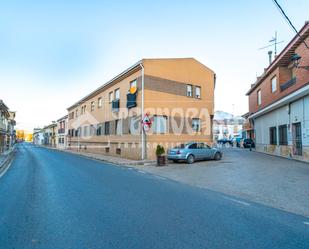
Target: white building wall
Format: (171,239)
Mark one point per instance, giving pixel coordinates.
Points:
(298,111)
(262,124)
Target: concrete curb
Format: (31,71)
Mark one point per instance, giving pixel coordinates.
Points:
(111,160)
(4,165)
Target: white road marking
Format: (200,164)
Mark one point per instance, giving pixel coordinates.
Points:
(140,171)
(306,223)
(237,201)
(6,169)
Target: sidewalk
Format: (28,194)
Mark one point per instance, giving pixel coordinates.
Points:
(110,159)
(6,158)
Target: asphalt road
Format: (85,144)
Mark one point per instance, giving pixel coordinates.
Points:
(51,199)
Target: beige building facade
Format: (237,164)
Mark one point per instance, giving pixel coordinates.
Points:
(155,101)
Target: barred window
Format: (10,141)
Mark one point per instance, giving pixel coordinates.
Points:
(283,135)
(273,135)
(107,128)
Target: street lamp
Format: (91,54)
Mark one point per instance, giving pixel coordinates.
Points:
(296,60)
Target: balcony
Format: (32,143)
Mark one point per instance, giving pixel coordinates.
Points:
(61,131)
(116,105)
(288,84)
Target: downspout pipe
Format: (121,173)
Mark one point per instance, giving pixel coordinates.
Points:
(143,132)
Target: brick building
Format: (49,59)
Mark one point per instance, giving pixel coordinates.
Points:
(279,102)
(176,96)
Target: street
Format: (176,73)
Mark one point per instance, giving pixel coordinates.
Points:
(52,199)
(266,179)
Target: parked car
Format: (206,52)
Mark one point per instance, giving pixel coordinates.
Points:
(192,152)
(223,141)
(248,142)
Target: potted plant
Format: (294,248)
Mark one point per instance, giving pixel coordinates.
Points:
(161,158)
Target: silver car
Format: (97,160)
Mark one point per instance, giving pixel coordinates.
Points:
(192,152)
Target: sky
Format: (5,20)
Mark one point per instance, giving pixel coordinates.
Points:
(52,53)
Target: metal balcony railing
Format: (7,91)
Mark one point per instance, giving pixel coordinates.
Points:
(61,131)
(288,84)
(115,105)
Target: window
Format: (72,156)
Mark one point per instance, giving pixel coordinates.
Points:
(92,130)
(201,146)
(92,106)
(117,94)
(86,131)
(83,110)
(273,135)
(99,102)
(196,124)
(106,128)
(99,130)
(76,113)
(118,151)
(160,124)
(273,84)
(189,90)
(259,97)
(134,125)
(118,127)
(133,83)
(193,146)
(283,135)
(110,97)
(197,92)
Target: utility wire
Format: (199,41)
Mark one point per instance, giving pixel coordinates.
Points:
(289,21)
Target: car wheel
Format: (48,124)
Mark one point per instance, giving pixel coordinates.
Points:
(190,159)
(218,156)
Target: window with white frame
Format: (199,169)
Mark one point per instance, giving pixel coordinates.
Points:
(100,102)
(259,97)
(274,84)
(133,83)
(197,92)
(189,90)
(92,106)
(196,124)
(117,93)
(159,124)
(111,97)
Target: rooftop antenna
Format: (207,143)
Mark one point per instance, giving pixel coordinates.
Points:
(274,42)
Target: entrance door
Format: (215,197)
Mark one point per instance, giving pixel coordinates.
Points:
(297,139)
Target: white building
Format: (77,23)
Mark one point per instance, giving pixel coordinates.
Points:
(62,134)
(226,125)
(38,136)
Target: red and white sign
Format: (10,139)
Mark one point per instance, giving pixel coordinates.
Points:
(147,122)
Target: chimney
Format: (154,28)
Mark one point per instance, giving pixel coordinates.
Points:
(270,56)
